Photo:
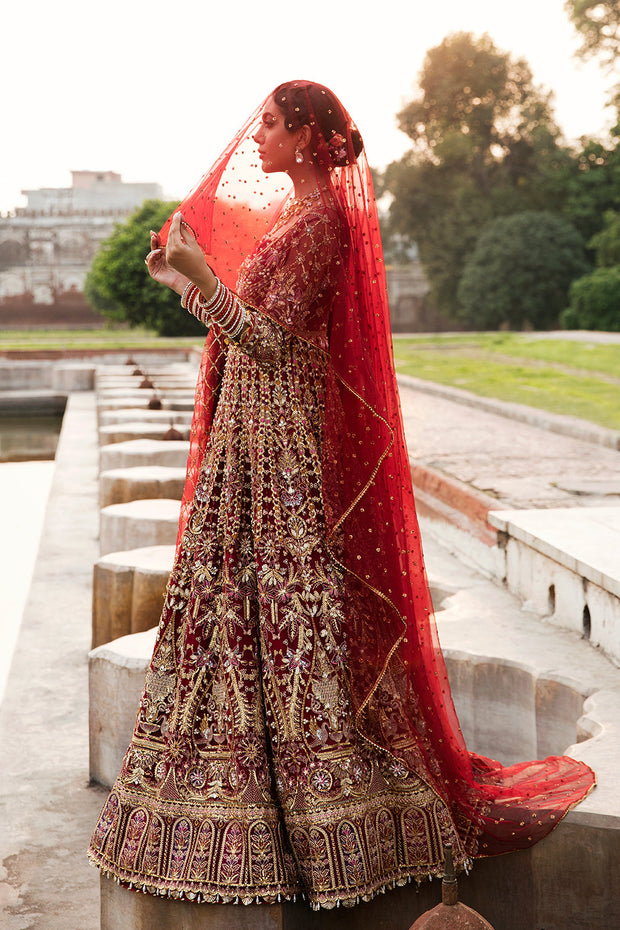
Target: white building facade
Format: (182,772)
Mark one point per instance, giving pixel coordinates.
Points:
(47,247)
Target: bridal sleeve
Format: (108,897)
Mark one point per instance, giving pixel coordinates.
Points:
(297,299)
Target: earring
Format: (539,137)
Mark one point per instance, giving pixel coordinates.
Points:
(299,156)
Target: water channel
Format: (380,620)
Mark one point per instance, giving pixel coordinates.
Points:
(27,449)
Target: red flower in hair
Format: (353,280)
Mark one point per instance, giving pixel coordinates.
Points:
(337,146)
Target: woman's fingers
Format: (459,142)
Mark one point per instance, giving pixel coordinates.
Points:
(175,238)
(182,251)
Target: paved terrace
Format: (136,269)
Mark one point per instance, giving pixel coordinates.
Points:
(47,806)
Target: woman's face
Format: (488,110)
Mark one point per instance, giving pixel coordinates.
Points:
(276,145)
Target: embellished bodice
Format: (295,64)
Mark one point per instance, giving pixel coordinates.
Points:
(292,274)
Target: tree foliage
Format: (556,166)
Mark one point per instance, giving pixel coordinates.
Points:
(520,271)
(598,25)
(595,301)
(595,297)
(484,145)
(590,185)
(606,243)
(119,286)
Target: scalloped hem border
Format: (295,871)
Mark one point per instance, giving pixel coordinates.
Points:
(329,903)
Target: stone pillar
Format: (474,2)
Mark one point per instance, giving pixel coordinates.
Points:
(128,591)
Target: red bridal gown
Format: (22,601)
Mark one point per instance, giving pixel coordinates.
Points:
(247,778)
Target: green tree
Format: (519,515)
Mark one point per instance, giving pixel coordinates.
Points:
(606,243)
(590,182)
(119,286)
(598,24)
(595,301)
(484,145)
(595,297)
(520,271)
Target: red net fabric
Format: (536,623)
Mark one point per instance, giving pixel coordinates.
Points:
(399,686)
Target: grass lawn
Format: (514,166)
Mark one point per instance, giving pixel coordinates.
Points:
(581,379)
(40,340)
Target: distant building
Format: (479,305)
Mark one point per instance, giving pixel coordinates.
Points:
(47,247)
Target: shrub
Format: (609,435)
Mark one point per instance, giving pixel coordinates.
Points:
(520,271)
(119,286)
(595,301)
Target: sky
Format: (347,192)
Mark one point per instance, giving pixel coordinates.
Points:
(155,90)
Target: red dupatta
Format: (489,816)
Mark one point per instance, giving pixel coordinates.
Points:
(399,685)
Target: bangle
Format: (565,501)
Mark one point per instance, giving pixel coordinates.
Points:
(223,308)
(234,335)
(187,295)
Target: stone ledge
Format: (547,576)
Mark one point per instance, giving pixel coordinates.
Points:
(73,376)
(563,565)
(116,674)
(586,541)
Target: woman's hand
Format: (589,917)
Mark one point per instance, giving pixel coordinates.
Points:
(184,255)
(160,270)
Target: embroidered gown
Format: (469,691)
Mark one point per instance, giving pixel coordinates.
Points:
(246,779)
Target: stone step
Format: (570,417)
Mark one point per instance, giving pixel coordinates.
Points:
(180,400)
(121,485)
(135,429)
(144,415)
(136,452)
(133,389)
(564,564)
(129,588)
(138,524)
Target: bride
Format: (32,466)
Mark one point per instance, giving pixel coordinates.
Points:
(296,734)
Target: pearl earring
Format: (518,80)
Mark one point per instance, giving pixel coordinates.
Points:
(299,155)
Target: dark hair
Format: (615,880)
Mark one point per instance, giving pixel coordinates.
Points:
(295,98)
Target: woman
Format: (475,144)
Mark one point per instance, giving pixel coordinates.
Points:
(296,733)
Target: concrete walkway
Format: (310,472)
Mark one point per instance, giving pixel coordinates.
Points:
(24,489)
(47,809)
(522,465)
(46,806)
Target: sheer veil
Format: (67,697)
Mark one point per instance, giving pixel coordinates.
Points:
(399,687)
